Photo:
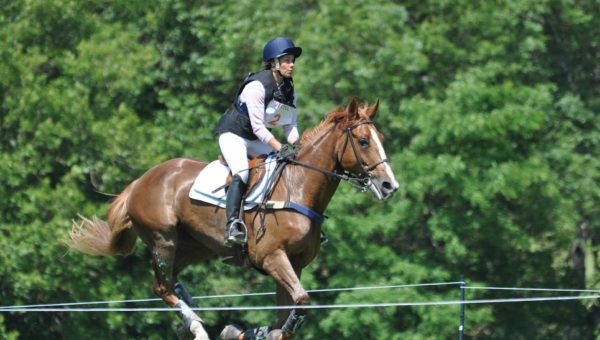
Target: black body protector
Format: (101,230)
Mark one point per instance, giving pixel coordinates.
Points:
(236,118)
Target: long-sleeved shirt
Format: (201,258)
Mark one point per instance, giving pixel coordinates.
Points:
(253,95)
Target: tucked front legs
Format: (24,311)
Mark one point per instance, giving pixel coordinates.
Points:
(279,267)
(288,320)
(289,291)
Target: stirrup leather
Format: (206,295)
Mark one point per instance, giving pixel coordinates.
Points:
(236,233)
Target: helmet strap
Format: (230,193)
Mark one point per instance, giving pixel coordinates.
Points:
(276,68)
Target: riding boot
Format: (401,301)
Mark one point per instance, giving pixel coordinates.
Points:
(236,229)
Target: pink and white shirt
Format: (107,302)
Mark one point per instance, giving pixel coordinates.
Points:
(275,114)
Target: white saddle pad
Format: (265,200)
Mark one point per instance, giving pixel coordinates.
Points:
(214,176)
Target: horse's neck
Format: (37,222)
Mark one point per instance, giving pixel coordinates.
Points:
(310,187)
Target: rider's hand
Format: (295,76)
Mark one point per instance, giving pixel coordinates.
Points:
(287,151)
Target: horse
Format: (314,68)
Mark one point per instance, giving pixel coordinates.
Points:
(179,232)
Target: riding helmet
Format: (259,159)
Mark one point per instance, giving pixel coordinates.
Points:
(279,47)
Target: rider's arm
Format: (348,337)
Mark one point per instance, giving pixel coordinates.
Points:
(274,143)
(291,130)
(254,97)
(293,136)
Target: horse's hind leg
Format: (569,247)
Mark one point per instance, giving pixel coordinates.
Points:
(163,256)
(164,246)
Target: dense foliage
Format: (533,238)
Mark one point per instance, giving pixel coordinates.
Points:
(491,116)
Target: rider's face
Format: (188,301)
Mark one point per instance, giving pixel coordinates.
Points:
(286,65)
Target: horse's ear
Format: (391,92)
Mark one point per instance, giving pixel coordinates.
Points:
(352,108)
(372,112)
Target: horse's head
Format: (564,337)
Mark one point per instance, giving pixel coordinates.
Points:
(361,152)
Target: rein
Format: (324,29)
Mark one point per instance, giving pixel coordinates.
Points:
(361,181)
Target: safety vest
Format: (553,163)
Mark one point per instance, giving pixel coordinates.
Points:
(279,101)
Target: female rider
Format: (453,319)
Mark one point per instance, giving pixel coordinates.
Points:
(264,100)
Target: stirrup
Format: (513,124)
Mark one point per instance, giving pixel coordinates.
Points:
(236,233)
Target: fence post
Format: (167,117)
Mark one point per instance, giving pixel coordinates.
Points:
(461,327)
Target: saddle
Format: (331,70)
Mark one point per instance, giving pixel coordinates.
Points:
(256,166)
(211,182)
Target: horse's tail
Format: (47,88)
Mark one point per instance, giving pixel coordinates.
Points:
(114,237)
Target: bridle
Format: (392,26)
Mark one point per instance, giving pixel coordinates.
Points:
(361,181)
(365,168)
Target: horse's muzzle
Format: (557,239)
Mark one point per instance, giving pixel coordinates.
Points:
(383,187)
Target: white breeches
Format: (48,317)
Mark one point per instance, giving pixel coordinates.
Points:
(236,149)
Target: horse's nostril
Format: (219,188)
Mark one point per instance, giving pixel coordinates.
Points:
(387,185)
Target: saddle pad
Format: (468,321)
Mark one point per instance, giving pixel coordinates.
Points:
(214,176)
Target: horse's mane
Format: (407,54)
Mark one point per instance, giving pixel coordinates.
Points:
(339,117)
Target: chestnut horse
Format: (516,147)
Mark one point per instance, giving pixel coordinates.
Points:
(180,232)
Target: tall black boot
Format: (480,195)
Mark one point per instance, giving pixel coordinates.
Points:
(236,229)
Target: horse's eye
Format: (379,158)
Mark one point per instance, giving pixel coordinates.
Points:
(364,142)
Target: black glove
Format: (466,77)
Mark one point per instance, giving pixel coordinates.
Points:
(287,151)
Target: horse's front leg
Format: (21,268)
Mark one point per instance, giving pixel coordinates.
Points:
(279,267)
(289,292)
(289,321)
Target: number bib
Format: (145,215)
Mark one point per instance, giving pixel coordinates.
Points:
(278,114)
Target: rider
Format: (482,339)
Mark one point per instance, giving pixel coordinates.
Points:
(264,100)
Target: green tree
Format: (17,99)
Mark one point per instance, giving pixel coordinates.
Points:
(490,112)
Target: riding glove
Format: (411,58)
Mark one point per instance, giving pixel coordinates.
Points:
(287,151)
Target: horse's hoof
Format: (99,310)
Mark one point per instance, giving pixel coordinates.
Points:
(230,332)
(276,334)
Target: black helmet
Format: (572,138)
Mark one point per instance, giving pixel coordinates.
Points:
(278,47)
